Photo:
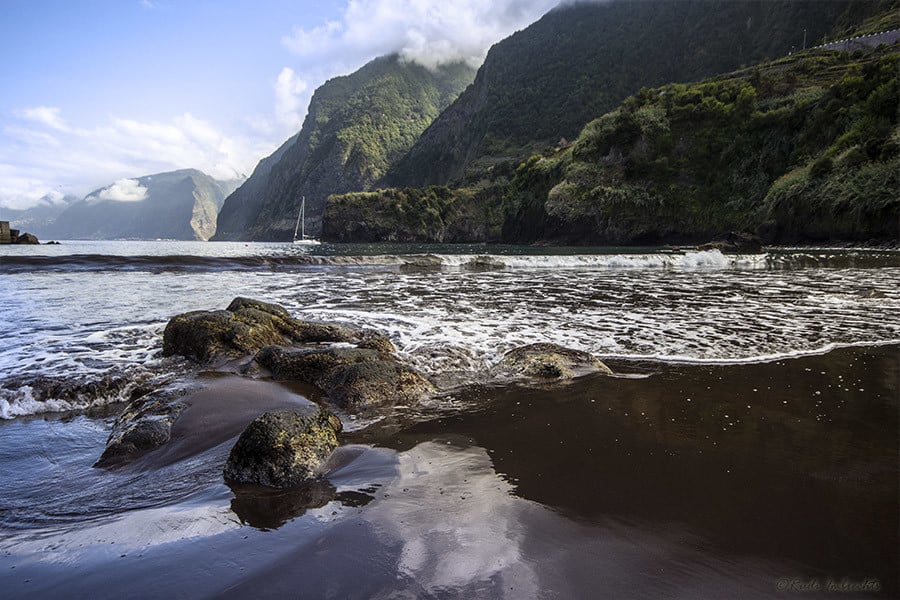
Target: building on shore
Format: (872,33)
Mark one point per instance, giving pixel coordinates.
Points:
(7,235)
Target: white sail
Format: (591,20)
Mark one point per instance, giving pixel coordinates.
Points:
(301,224)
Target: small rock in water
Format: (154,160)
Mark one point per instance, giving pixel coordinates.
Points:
(144,425)
(549,361)
(283,448)
(735,242)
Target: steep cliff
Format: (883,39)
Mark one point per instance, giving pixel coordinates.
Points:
(242,206)
(802,149)
(581,60)
(356,127)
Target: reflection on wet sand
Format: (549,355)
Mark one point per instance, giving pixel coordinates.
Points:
(794,461)
(695,482)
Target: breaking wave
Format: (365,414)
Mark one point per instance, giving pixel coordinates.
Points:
(712,259)
(88,327)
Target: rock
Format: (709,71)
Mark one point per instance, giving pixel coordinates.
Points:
(375,383)
(79,391)
(549,361)
(355,379)
(52,243)
(245,327)
(27,238)
(185,418)
(735,243)
(484,263)
(375,341)
(284,448)
(144,425)
(425,262)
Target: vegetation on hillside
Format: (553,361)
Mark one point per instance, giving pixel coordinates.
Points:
(356,127)
(414,215)
(580,61)
(801,149)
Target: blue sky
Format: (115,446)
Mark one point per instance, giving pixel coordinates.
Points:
(98,90)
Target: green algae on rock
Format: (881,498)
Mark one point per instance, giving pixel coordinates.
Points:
(246,326)
(283,448)
(549,361)
(353,378)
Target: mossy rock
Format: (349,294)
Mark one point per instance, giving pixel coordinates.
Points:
(375,341)
(284,448)
(311,366)
(549,361)
(355,379)
(248,325)
(369,384)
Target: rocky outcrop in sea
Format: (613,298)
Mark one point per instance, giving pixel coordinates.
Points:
(287,441)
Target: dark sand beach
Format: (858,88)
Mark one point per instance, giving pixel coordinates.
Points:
(751,480)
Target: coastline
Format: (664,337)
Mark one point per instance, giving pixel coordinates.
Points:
(554,489)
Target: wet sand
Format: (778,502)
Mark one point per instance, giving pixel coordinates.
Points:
(684,481)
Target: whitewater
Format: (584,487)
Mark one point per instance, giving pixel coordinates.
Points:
(87,310)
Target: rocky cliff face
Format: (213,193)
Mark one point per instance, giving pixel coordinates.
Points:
(356,127)
(803,149)
(179,205)
(579,61)
(243,205)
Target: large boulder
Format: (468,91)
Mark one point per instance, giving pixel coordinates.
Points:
(355,379)
(549,361)
(248,325)
(283,448)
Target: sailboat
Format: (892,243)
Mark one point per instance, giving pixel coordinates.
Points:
(301,225)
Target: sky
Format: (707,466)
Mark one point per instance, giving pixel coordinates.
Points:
(99,91)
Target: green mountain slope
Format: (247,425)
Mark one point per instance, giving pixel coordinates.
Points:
(356,127)
(801,149)
(180,205)
(580,61)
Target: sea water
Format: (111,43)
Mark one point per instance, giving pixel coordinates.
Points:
(91,308)
(748,445)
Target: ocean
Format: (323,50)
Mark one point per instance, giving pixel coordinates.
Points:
(747,446)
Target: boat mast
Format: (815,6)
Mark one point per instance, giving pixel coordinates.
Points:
(299,217)
(303,217)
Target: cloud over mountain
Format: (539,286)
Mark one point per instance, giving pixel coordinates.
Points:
(429,32)
(124,190)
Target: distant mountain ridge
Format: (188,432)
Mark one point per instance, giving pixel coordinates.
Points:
(356,127)
(39,218)
(180,205)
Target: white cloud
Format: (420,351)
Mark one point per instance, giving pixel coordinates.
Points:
(42,152)
(124,190)
(430,32)
(47,155)
(289,96)
(45,115)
